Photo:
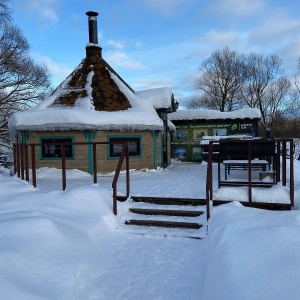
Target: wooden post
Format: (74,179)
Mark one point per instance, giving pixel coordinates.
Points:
(115,210)
(15,149)
(26,164)
(33,166)
(18,160)
(22,161)
(249,172)
(95,162)
(278,162)
(292,172)
(284,163)
(127,172)
(219,172)
(63,166)
(209,193)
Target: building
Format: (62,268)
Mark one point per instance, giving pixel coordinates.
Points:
(94,104)
(194,129)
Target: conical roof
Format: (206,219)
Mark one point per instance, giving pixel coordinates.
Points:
(92,78)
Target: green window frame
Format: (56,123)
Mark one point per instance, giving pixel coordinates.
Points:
(134,143)
(52,151)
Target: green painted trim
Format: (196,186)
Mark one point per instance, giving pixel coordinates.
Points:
(90,136)
(140,137)
(162,148)
(56,137)
(154,136)
(25,137)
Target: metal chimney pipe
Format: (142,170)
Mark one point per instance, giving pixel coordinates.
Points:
(93,32)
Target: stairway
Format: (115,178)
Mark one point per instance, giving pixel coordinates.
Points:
(167,216)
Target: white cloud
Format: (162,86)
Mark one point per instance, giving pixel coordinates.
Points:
(219,39)
(290,53)
(240,7)
(58,71)
(275,30)
(116,44)
(46,9)
(121,59)
(143,84)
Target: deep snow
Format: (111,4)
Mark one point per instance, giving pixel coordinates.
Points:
(69,245)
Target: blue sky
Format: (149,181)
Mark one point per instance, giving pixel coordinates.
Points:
(155,43)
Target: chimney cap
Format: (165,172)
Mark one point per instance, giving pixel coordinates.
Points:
(92,14)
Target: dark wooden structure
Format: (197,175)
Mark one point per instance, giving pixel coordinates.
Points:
(248,151)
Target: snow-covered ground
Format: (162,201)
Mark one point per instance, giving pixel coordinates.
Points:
(68,244)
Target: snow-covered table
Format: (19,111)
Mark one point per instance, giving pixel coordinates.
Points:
(244,164)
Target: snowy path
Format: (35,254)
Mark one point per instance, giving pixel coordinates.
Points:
(178,180)
(146,267)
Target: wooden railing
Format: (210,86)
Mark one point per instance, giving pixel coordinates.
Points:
(125,153)
(21,164)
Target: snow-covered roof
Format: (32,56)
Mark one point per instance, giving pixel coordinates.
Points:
(159,98)
(246,113)
(95,97)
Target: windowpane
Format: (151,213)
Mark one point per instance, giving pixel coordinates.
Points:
(134,146)
(117,149)
(52,147)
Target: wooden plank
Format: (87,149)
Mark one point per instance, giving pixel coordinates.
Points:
(164,224)
(169,201)
(262,205)
(246,183)
(166,212)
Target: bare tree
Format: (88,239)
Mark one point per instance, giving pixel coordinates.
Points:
(276,103)
(297,78)
(222,76)
(22,81)
(4,11)
(203,101)
(266,89)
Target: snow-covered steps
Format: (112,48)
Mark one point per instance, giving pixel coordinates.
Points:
(166,216)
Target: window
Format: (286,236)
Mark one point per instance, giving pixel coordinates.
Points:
(52,151)
(134,144)
(181,135)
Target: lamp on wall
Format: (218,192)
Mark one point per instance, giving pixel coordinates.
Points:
(176,104)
